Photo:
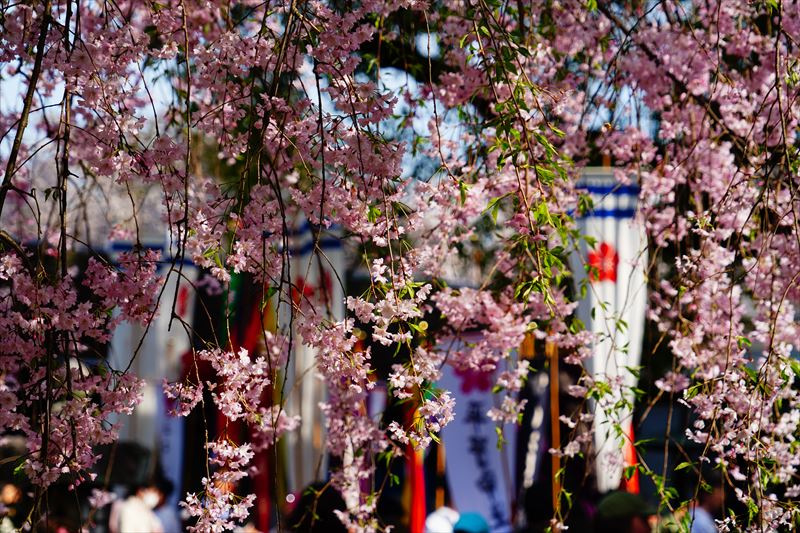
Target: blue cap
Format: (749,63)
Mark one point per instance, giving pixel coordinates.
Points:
(471,523)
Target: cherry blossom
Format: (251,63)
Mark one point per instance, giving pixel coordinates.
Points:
(223,129)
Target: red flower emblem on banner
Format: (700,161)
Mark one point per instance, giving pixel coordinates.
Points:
(183,301)
(603,261)
(474,380)
(304,290)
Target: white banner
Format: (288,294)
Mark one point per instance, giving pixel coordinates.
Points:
(613,309)
(479,475)
(318,278)
(159,357)
(175,342)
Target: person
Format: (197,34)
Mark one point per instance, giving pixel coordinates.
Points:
(136,513)
(623,512)
(441,520)
(708,505)
(10,496)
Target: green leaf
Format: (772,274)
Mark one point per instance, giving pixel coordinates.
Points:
(585,204)
(545,174)
(373,213)
(500,438)
(19,470)
(743,342)
(463,187)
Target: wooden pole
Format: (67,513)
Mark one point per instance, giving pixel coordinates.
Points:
(551,351)
(440,474)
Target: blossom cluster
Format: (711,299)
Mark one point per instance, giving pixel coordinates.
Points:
(455,193)
(50,393)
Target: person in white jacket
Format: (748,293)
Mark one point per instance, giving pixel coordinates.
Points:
(135,513)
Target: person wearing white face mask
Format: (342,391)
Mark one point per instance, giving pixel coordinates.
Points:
(135,514)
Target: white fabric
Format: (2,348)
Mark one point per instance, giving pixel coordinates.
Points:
(442,520)
(133,516)
(607,305)
(159,357)
(318,272)
(175,342)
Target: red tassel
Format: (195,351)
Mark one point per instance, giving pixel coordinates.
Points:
(630,485)
(416,476)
